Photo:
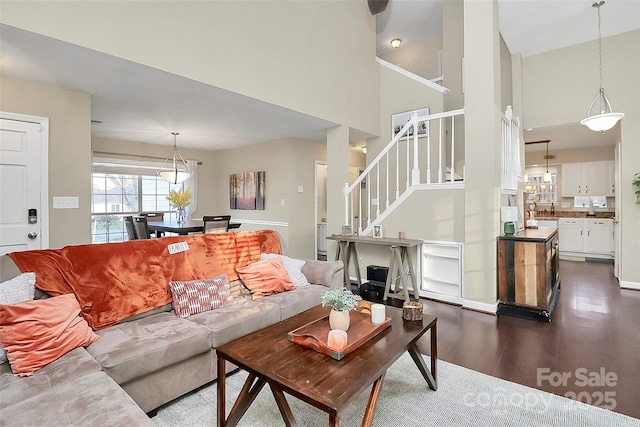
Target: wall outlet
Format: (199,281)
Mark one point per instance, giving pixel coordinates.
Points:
(66,202)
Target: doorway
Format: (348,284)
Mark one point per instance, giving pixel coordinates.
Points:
(24,216)
(321,209)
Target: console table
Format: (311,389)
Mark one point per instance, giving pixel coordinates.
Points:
(399,264)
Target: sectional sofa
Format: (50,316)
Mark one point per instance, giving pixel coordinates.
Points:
(146,355)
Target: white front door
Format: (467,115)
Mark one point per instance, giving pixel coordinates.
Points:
(23,188)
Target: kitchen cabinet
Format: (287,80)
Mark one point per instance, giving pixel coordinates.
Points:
(588,179)
(586,237)
(599,238)
(528,273)
(571,234)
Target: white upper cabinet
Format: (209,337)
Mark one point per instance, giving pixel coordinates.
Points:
(587,179)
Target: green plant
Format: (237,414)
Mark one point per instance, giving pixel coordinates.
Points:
(636,183)
(180,199)
(340,299)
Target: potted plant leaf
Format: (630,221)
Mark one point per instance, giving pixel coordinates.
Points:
(636,183)
(341,301)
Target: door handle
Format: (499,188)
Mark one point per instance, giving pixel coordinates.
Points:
(32,235)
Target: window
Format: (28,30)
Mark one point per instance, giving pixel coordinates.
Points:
(583,202)
(115,194)
(547,192)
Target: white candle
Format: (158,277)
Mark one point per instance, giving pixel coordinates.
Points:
(377,314)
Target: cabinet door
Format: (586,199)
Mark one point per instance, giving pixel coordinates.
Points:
(572,180)
(599,237)
(571,235)
(596,179)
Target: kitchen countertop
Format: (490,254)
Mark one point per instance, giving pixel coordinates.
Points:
(540,234)
(572,214)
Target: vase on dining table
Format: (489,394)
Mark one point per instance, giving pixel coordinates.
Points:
(181,215)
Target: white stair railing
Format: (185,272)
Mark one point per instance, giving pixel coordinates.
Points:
(421,156)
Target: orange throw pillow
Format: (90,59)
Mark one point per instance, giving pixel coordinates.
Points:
(265,277)
(37,332)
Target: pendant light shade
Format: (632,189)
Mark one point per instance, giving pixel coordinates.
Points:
(179,171)
(547,175)
(604,118)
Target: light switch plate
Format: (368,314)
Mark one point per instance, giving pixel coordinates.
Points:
(66,202)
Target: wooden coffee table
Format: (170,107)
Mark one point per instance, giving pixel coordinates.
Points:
(329,385)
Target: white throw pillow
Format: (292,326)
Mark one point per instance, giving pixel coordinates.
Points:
(16,290)
(293,267)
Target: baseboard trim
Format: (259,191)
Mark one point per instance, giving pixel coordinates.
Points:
(624,284)
(450,299)
(257,222)
(480,306)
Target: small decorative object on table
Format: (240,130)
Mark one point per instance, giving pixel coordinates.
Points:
(346,230)
(341,301)
(180,200)
(337,339)
(378,314)
(412,310)
(377,231)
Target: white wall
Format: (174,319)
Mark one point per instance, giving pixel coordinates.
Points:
(69,116)
(282,52)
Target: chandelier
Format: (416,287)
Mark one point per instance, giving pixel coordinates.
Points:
(606,118)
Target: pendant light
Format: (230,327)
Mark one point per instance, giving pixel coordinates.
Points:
(547,175)
(175,175)
(606,118)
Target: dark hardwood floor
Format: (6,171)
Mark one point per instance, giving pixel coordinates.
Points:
(593,340)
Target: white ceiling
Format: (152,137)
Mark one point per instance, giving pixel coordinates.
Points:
(139,103)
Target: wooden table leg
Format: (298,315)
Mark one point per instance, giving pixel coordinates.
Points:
(412,273)
(285,410)
(371,405)
(222,414)
(354,252)
(248,394)
(428,374)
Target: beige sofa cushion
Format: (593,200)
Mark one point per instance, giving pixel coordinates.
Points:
(91,400)
(133,349)
(68,368)
(229,323)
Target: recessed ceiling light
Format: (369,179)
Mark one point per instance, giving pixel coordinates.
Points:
(529,129)
(396,43)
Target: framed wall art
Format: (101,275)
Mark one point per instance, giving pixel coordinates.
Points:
(399,120)
(246,190)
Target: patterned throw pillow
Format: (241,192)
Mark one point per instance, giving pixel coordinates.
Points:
(197,296)
(13,291)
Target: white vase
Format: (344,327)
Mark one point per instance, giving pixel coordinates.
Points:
(339,320)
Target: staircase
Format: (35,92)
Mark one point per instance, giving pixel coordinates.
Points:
(421,156)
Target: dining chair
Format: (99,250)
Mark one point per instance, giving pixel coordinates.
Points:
(216,224)
(154,217)
(141,227)
(131,229)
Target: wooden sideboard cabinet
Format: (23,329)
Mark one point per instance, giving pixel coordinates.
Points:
(528,273)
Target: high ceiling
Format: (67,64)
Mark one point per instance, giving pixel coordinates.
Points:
(139,103)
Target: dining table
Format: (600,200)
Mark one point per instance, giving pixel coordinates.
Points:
(189,226)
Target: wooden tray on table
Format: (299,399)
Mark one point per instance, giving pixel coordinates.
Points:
(314,335)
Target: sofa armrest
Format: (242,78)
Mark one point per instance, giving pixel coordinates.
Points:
(326,273)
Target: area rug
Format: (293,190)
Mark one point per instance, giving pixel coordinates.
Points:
(464,398)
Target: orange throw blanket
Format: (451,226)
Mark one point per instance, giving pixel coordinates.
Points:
(114,281)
